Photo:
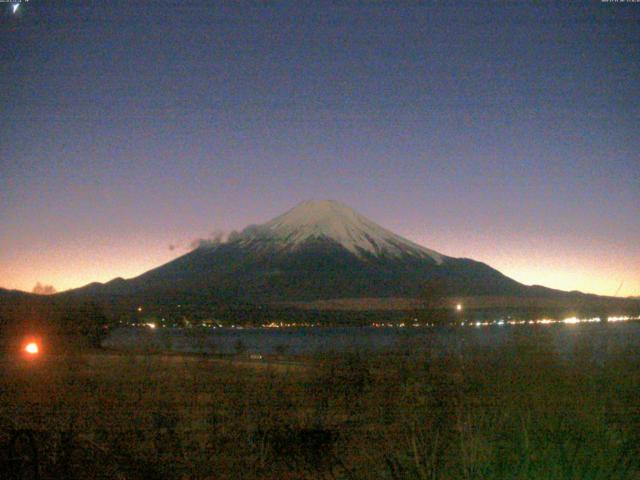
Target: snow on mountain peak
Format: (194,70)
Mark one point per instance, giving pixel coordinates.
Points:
(338,222)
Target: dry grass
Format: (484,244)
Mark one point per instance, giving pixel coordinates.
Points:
(518,412)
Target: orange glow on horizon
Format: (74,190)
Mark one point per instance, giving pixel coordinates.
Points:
(590,268)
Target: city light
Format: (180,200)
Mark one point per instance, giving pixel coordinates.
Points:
(410,322)
(571,320)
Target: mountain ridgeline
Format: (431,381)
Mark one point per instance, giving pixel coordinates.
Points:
(319,250)
(322,263)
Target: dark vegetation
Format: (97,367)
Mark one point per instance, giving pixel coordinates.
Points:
(521,411)
(518,412)
(84,320)
(73,323)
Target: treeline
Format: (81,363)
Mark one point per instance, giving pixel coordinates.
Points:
(85,320)
(73,324)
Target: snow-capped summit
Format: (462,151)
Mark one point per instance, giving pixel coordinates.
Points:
(329,219)
(318,250)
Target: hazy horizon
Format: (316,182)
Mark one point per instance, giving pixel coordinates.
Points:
(502,133)
(179,249)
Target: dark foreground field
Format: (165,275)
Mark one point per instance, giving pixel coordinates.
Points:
(520,411)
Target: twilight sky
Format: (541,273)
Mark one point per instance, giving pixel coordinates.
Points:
(508,133)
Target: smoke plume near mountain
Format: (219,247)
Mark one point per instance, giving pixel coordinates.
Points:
(216,238)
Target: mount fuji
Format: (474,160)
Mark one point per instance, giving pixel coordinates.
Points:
(335,222)
(319,250)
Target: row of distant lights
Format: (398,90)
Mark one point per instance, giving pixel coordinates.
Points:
(541,321)
(550,321)
(287,325)
(458,307)
(153,325)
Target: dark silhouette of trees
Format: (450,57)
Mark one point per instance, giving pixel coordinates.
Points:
(434,296)
(86,321)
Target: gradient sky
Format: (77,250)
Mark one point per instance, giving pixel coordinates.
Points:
(508,133)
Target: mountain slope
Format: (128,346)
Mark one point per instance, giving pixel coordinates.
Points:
(317,250)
